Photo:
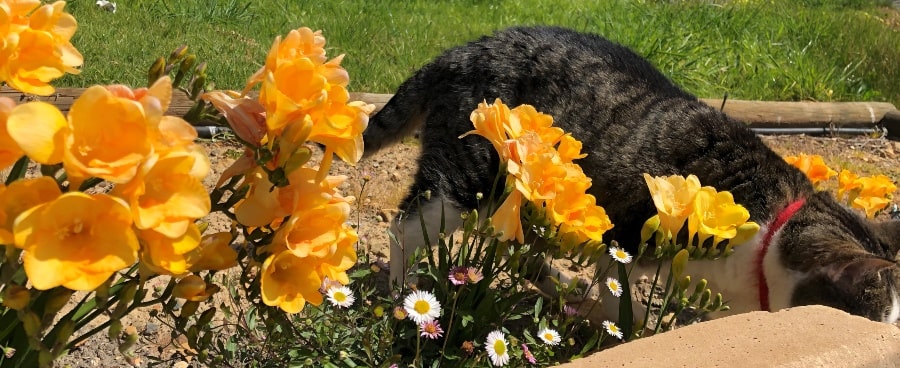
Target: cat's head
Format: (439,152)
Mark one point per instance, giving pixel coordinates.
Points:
(858,274)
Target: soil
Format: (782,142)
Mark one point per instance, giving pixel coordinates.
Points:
(379,184)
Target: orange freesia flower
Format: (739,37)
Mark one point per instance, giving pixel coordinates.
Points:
(813,166)
(289,282)
(716,215)
(213,253)
(193,288)
(36,47)
(167,195)
(77,241)
(673,197)
(9,149)
(21,196)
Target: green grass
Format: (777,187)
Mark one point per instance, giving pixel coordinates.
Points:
(823,50)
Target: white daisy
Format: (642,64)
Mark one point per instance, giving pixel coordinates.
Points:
(422,306)
(615,287)
(612,329)
(496,348)
(620,255)
(340,296)
(550,336)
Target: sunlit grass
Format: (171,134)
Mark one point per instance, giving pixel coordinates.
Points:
(750,49)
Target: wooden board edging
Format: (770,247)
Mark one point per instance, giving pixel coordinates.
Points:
(758,114)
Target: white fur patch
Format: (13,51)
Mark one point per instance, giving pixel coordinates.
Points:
(894,313)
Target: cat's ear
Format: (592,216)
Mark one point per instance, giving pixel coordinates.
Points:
(847,275)
(888,234)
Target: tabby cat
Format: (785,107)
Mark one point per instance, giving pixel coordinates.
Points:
(633,120)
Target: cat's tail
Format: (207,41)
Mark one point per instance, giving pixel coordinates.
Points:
(401,116)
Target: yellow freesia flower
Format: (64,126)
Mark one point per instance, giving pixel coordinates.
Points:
(847,183)
(490,121)
(507,219)
(538,159)
(213,253)
(193,288)
(673,196)
(9,149)
(40,129)
(289,282)
(108,133)
(315,232)
(813,166)
(36,47)
(76,241)
(167,195)
(872,194)
(715,215)
(340,125)
(569,149)
(536,167)
(20,196)
(167,255)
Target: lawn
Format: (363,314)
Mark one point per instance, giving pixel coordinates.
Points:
(836,50)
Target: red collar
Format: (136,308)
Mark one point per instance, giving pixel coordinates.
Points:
(780,220)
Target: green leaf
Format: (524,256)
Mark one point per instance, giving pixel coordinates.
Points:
(626,317)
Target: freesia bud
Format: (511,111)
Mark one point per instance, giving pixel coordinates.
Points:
(178,53)
(157,70)
(16,297)
(679,262)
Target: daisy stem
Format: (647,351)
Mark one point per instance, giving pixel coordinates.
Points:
(418,344)
(450,324)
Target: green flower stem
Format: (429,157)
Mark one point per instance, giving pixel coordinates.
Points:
(650,297)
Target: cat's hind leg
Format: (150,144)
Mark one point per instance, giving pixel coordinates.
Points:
(427,215)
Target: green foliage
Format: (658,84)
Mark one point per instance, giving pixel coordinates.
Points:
(753,49)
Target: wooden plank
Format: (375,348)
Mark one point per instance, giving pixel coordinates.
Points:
(758,114)
(772,114)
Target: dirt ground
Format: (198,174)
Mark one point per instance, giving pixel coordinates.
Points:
(380,182)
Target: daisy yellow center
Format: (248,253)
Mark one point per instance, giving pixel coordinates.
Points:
(613,285)
(340,297)
(499,347)
(614,328)
(429,328)
(422,306)
(548,336)
(621,254)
